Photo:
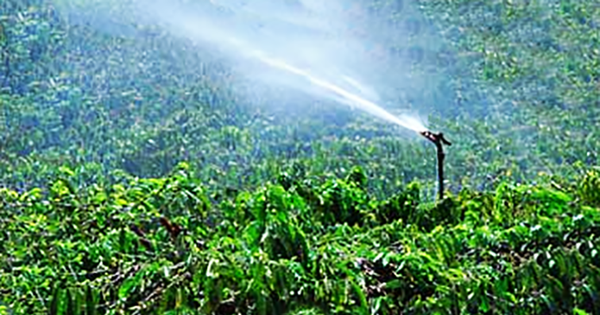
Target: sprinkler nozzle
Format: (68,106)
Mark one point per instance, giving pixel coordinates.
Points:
(439,140)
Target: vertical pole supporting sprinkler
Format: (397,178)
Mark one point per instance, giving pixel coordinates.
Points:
(439,140)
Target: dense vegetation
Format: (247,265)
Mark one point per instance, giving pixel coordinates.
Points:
(133,180)
(294,246)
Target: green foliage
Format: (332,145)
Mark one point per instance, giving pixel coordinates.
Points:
(149,246)
(301,211)
(589,189)
(513,84)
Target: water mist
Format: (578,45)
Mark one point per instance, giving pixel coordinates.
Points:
(305,45)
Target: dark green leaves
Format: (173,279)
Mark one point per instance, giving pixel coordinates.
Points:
(310,245)
(278,213)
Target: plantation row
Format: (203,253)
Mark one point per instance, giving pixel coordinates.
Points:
(299,246)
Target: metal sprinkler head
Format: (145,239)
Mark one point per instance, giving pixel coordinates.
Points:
(439,140)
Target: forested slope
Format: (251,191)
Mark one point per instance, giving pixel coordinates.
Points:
(135,180)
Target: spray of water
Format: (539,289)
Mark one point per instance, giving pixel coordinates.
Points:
(346,96)
(310,35)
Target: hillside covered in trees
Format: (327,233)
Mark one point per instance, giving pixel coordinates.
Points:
(135,180)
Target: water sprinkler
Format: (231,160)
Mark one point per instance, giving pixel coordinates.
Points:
(438,139)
